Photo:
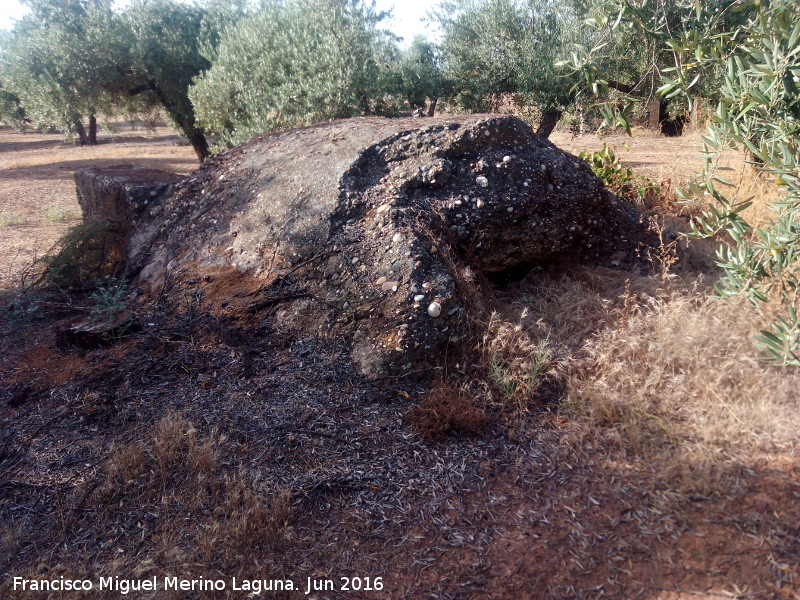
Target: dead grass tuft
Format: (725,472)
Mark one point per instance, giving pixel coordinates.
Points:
(55,213)
(201,515)
(251,521)
(126,464)
(517,362)
(447,409)
(173,459)
(12,218)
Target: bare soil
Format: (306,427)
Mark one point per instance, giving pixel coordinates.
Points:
(37,189)
(215,447)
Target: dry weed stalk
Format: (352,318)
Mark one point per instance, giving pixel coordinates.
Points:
(663,256)
(517,363)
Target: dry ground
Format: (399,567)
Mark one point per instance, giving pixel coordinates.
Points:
(37,190)
(657,458)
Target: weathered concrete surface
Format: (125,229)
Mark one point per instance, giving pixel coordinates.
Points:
(120,194)
(370,228)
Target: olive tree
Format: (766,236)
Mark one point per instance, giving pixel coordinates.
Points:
(169,46)
(420,74)
(635,45)
(293,63)
(71,59)
(55,63)
(11,111)
(510,47)
(755,49)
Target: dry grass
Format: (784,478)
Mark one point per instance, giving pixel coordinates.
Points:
(57,213)
(688,360)
(447,409)
(201,516)
(751,184)
(11,218)
(516,363)
(669,160)
(648,353)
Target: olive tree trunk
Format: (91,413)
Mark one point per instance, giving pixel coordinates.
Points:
(548,123)
(432,107)
(83,139)
(92,130)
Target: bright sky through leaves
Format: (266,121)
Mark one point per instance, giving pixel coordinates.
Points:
(406,20)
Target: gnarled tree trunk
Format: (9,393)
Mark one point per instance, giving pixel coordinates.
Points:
(92,130)
(180,109)
(83,139)
(199,143)
(182,113)
(548,123)
(432,106)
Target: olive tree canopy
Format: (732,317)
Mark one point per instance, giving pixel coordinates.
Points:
(293,63)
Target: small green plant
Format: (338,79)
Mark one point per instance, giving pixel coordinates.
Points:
(23,310)
(501,377)
(58,214)
(108,302)
(619,179)
(108,298)
(11,218)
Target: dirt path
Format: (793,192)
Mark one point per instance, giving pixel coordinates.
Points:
(646,152)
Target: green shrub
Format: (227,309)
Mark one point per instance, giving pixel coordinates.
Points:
(619,179)
(86,253)
(108,297)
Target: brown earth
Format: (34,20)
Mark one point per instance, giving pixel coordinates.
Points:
(211,447)
(37,188)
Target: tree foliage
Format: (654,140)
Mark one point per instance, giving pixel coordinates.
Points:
(293,63)
(163,58)
(71,59)
(56,60)
(420,74)
(754,48)
(11,111)
(638,44)
(509,47)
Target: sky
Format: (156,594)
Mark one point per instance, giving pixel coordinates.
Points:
(406,18)
(9,10)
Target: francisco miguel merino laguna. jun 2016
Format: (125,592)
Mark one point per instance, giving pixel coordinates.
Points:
(201,584)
